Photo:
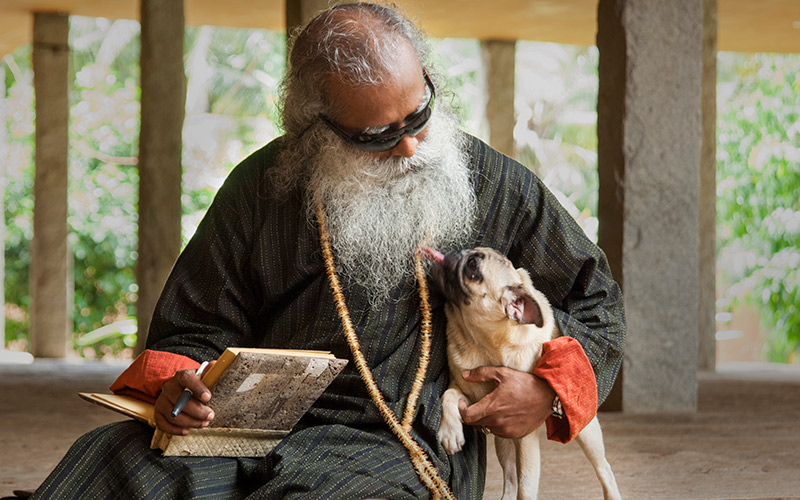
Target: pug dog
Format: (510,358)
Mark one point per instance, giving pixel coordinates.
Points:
(496,317)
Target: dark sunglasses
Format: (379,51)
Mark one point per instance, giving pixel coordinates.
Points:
(384,141)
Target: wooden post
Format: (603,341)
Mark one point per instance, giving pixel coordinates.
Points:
(499,59)
(299,12)
(160,169)
(707,335)
(49,312)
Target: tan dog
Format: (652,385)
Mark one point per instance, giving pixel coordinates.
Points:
(496,317)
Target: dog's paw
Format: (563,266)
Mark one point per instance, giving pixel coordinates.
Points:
(451,435)
(451,430)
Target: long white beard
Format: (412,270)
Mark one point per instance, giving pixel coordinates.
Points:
(380,211)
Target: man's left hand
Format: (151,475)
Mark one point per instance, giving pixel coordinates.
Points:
(518,405)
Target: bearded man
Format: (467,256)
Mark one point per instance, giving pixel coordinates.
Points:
(372,155)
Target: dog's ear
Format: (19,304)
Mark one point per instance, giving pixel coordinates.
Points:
(523,308)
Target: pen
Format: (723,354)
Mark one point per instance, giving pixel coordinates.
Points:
(186,395)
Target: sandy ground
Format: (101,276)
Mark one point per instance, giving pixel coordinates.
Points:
(742,443)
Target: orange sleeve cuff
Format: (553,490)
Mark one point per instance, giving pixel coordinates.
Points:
(148,372)
(566,368)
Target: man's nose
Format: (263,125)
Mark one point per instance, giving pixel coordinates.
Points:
(406,147)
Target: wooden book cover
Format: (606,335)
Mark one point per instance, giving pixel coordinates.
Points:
(134,408)
(257,395)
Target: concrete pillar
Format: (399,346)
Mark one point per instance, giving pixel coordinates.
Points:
(649,150)
(707,346)
(499,59)
(49,312)
(299,12)
(163,100)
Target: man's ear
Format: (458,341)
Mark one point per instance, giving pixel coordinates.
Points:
(523,308)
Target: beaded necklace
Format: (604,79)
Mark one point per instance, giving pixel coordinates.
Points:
(425,469)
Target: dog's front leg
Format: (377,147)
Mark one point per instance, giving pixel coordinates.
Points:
(528,466)
(451,429)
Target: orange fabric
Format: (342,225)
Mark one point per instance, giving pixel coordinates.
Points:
(568,371)
(148,372)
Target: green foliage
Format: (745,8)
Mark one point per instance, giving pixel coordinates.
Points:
(556,131)
(458,61)
(104,110)
(245,67)
(758,181)
(233,78)
(18,188)
(555,104)
(232,84)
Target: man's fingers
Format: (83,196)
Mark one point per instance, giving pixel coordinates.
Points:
(164,424)
(194,415)
(485,374)
(188,380)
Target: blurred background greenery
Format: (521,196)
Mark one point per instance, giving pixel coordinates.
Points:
(232,81)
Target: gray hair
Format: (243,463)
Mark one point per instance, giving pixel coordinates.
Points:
(356,43)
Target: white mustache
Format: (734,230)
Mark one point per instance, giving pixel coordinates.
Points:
(380,211)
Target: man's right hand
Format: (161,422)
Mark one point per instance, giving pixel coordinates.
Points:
(194,415)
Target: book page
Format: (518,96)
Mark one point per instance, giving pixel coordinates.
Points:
(270,390)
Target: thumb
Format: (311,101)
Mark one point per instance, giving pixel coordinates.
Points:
(476,412)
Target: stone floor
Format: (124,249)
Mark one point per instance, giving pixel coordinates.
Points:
(742,443)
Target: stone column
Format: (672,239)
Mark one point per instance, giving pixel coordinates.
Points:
(49,312)
(499,59)
(299,12)
(707,345)
(649,150)
(163,100)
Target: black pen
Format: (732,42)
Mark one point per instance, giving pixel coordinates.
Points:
(186,395)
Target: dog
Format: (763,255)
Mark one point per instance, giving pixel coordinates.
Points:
(496,317)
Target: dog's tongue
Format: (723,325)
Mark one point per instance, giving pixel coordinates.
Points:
(433,254)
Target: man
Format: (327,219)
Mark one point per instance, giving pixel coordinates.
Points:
(369,142)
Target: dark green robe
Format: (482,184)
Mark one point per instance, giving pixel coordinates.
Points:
(253,276)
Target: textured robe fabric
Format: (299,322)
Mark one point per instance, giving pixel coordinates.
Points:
(253,275)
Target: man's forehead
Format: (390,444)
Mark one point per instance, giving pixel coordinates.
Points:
(399,94)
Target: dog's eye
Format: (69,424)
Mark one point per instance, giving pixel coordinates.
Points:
(472,268)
